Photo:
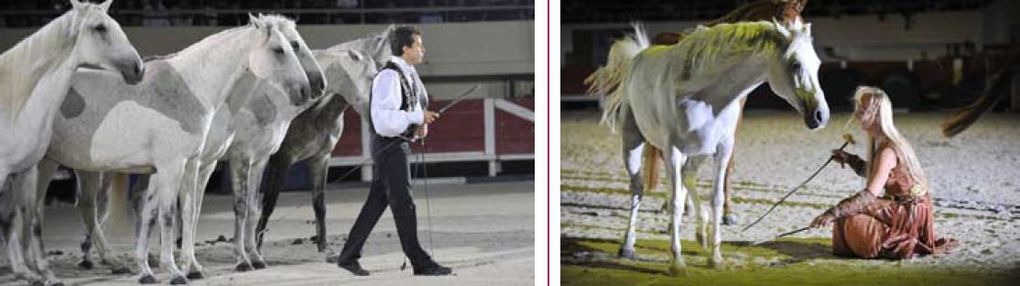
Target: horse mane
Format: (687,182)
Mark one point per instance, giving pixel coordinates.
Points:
(364,45)
(38,46)
(703,48)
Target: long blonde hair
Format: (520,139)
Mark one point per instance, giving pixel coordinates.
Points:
(872,101)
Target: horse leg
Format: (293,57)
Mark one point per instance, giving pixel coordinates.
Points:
(674,162)
(729,218)
(146,208)
(319,169)
(633,147)
(167,184)
(88,183)
(36,209)
(690,180)
(204,174)
(12,228)
(722,157)
(239,173)
(102,198)
(275,172)
(188,217)
(254,211)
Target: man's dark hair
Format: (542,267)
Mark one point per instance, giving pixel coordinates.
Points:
(400,37)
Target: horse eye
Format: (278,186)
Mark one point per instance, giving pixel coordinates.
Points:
(100,28)
(294,45)
(278,50)
(795,66)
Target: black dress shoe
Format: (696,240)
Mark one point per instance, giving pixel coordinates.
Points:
(354,267)
(433,269)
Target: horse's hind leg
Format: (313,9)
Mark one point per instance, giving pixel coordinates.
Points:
(729,218)
(103,198)
(276,170)
(633,146)
(319,167)
(88,189)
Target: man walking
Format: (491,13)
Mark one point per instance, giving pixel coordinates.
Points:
(397,115)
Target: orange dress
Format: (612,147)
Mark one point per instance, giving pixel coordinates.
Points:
(897,226)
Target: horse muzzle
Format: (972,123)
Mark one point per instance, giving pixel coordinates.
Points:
(133,73)
(817,117)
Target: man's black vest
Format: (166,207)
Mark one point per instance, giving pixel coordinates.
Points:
(408,98)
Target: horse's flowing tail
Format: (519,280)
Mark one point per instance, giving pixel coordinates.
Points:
(609,80)
(651,161)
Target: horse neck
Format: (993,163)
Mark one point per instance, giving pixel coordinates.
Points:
(44,59)
(333,107)
(214,66)
(743,74)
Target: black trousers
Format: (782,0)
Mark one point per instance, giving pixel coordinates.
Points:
(391,186)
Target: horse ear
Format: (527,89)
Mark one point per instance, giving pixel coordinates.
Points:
(105,6)
(254,21)
(807,28)
(781,27)
(354,55)
(75,4)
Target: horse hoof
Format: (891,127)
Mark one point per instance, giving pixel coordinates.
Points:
(120,270)
(627,253)
(243,267)
(729,219)
(677,270)
(85,264)
(179,280)
(717,265)
(57,284)
(38,283)
(195,275)
(147,279)
(258,264)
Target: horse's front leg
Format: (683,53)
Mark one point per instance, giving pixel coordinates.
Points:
(254,212)
(318,168)
(674,162)
(11,202)
(239,173)
(167,183)
(722,158)
(36,253)
(204,173)
(189,212)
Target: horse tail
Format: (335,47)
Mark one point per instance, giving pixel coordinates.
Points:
(651,160)
(609,80)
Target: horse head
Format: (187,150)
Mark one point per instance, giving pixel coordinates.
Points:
(311,67)
(275,60)
(793,75)
(349,74)
(99,41)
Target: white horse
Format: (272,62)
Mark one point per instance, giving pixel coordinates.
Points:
(267,104)
(311,137)
(34,77)
(247,132)
(684,99)
(159,127)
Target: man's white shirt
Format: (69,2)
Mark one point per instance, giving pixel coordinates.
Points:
(387,118)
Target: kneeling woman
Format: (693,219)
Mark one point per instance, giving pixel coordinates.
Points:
(900,224)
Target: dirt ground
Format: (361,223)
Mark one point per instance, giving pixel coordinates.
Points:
(974,179)
(485,232)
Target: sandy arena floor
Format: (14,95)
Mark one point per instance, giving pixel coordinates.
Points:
(485,232)
(974,178)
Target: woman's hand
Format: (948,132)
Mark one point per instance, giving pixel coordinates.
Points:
(823,219)
(841,157)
